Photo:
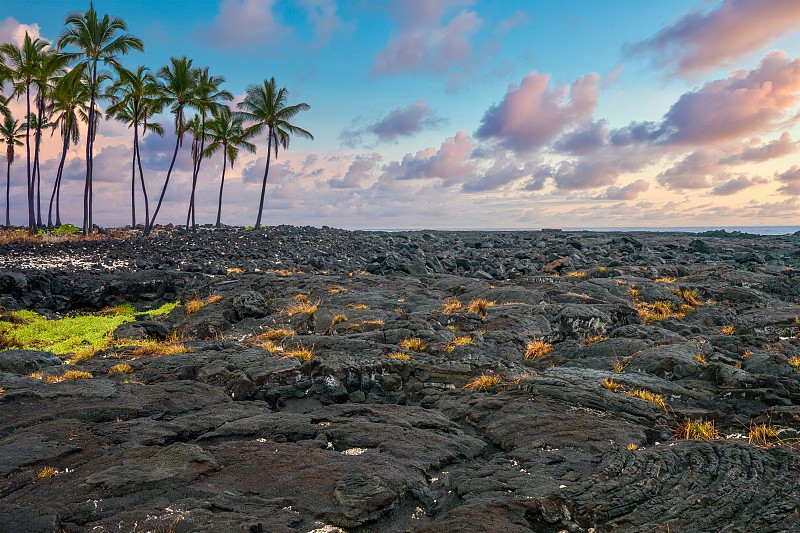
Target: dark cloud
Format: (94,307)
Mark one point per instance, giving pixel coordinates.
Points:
(734,185)
(406,121)
(583,140)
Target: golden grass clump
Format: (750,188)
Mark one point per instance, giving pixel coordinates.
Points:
(690,296)
(795,362)
(192,306)
(302,298)
(233,270)
(45,473)
(302,353)
(697,430)
(399,355)
(335,290)
(302,308)
(157,348)
(463,340)
(282,272)
(2,390)
(69,375)
(122,368)
(747,354)
(451,305)
(761,435)
(730,329)
(480,306)
(274,334)
(619,364)
(483,382)
(594,339)
(536,349)
(610,384)
(666,279)
(576,274)
(632,447)
(358,307)
(649,396)
(658,310)
(415,344)
(214,298)
(700,359)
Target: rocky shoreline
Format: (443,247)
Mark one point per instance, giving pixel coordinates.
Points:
(575,336)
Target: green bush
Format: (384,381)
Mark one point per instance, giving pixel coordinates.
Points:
(66,229)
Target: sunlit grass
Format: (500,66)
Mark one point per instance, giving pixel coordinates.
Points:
(650,397)
(697,430)
(121,368)
(536,349)
(480,306)
(610,384)
(415,344)
(457,342)
(402,356)
(483,382)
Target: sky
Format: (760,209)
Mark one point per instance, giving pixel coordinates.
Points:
(448,114)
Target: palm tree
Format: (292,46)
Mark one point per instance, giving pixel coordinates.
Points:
(225,132)
(208,97)
(23,63)
(96,40)
(178,85)
(50,66)
(135,98)
(68,106)
(11,133)
(265,105)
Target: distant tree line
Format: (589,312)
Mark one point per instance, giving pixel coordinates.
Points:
(63,85)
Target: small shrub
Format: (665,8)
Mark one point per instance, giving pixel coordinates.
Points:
(302,308)
(192,306)
(122,368)
(650,397)
(66,229)
(415,344)
(483,382)
(536,349)
(730,329)
(697,430)
(761,435)
(45,473)
(399,355)
(301,353)
(610,384)
(480,306)
(458,341)
(451,305)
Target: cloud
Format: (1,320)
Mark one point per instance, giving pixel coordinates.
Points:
(323,17)
(587,174)
(695,171)
(502,172)
(734,185)
(702,41)
(583,140)
(791,181)
(12,31)
(425,40)
(451,163)
(530,115)
(628,192)
(742,104)
(361,169)
(242,24)
(518,18)
(406,121)
(758,153)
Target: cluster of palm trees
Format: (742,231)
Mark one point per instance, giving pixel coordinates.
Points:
(63,86)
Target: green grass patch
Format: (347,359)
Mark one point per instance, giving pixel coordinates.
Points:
(163,310)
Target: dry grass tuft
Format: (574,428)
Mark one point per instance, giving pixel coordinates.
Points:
(483,382)
(157,348)
(214,298)
(69,375)
(415,344)
(192,306)
(697,430)
(632,447)
(620,364)
(658,310)
(747,354)
(302,353)
(2,390)
(274,334)
(45,473)
(610,384)
(795,362)
(762,435)
(283,272)
(700,359)
(458,341)
(592,340)
(302,298)
(666,279)
(536,349)
(336,290)
(480,306)
(302,308)
(358,307)
(399,355)
(730,329)
(233,270)
(451,305)
(690,296)
(122,368)
(576,274)
(650,397)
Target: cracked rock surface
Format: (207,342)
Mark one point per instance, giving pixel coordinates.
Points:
(364,432)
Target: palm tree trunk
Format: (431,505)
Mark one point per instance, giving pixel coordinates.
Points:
(31,218)
(195,158)
(141,176)
(57,184)
(222,183)
(149,227)
(36,170)
(8,193)
(87,188)
(264,184)
(133,180)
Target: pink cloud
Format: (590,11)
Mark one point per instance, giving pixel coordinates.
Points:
(323,17)
(361,169)
(764,152)
(243,23)
(628,192)
(734,185)
(406,121)
(791,181)
(531,115)
(424,39)
(743,104)
(451,163)
(695,171)
(701,41)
